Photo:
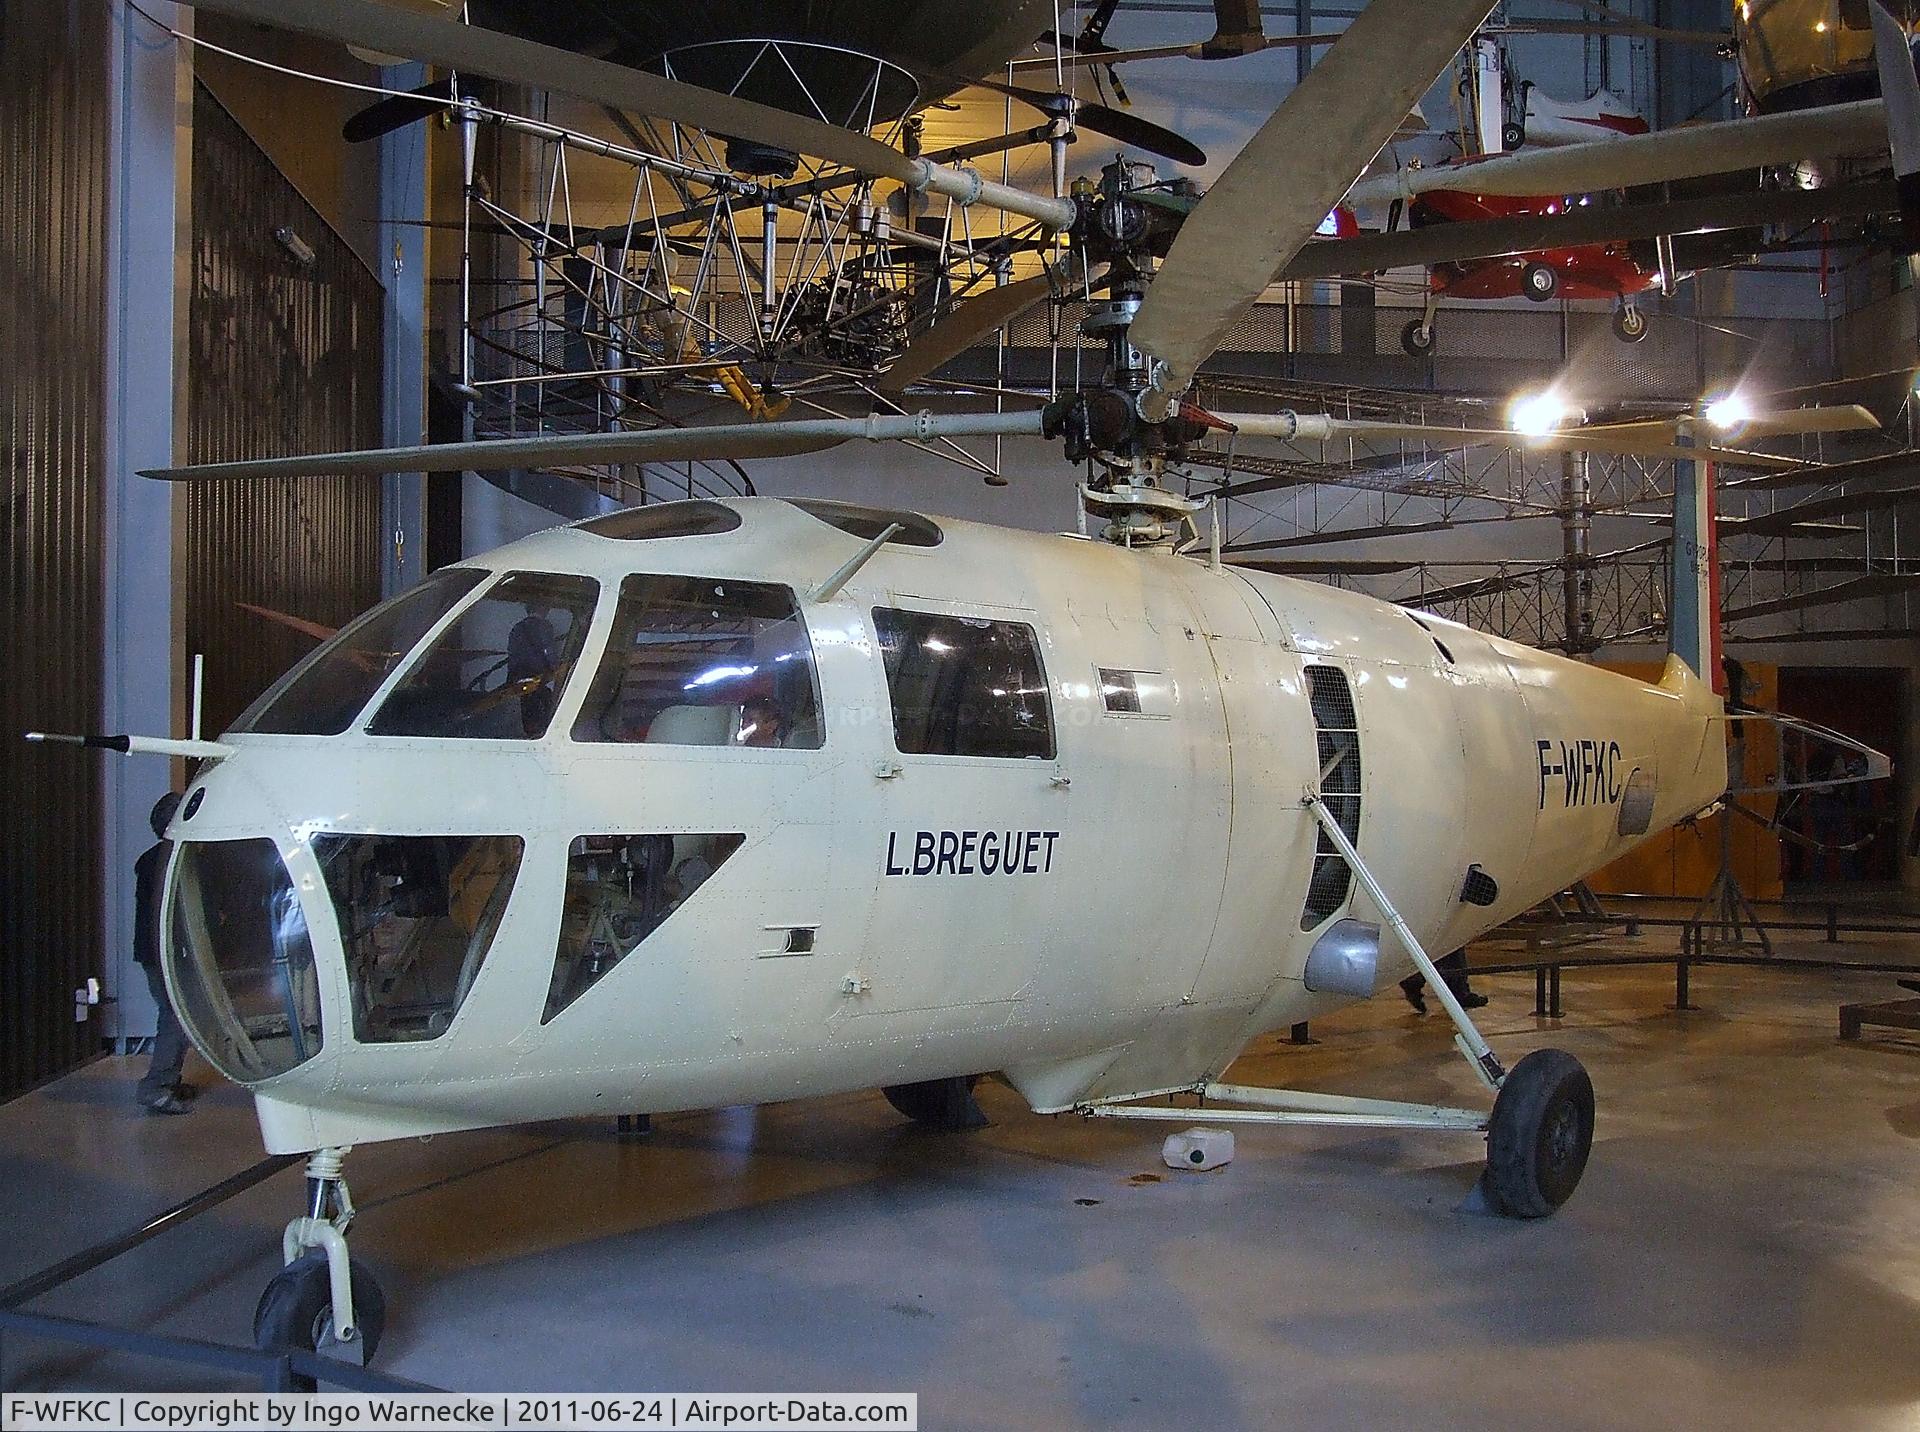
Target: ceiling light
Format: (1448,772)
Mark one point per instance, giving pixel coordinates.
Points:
(1729,411)
(1535,415)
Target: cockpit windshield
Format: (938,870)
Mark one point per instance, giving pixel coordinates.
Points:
(704,661)
(497,671)
(322,695)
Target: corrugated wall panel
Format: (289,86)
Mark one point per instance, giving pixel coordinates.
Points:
(53,191)
(285,357)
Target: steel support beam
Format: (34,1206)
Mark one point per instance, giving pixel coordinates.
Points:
(148,280)
(403,271)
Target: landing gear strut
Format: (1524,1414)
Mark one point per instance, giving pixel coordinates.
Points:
(1420,336)
(321,1300)
(1541,1127)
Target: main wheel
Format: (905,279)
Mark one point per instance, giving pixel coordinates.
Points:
(1418,338)
(1512,136)
(1629,324)
(1540,1135)
(296,1310)
(1539,282)
(939,1103)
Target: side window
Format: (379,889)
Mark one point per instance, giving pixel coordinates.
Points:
(497,672)
(964,686)
(1135,693)
(704,661)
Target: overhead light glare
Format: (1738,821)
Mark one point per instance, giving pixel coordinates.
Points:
(1729,411)
(1534,415)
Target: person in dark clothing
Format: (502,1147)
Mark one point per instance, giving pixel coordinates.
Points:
(1453,969)
(533,661)
(161,1090)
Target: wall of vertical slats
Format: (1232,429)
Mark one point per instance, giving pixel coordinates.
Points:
(53,201)
(284,357)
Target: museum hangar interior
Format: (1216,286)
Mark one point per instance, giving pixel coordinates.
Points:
(1256,639)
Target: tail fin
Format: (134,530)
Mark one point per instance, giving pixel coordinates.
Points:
(1693,616)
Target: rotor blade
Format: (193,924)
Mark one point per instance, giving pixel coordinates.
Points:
(725,440)
(1626,22)
(472,50)
(1139,133)
(1785,422)
(1685,153)
(1649,439)
(1250,223)
(397,111)
(1625,29)
(1113,123)
(319,631)
(1595,224)
(1196,50)
(1894,61)
(971,320)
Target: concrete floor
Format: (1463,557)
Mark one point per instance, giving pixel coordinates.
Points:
(1744,1252)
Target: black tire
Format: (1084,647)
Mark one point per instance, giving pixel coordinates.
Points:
(1539,282)
(1629,324)
(296,1310)
(946,1104)
(1512,136)
(1540,1135)
(1418,339)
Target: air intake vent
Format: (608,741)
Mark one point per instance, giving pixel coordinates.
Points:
(1338,730)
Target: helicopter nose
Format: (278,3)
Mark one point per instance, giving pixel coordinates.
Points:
(240,957)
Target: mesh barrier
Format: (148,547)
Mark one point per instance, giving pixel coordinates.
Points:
(1492,349)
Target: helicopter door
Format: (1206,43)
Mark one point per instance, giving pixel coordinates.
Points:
(971,835)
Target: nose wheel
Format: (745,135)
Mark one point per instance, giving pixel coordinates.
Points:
(296,1311)
(321,1300)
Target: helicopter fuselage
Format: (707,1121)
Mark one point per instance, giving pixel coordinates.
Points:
(1040,813)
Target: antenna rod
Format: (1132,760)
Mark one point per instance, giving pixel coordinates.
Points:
(830,588)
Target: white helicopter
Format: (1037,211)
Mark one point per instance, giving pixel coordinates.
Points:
(730,802)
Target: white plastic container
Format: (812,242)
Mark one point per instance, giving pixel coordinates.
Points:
(1198,1148)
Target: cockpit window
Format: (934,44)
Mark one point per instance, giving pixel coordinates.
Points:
(322,695)
(704,661)
(241,959)
(417,915)
(620,889)
(867,523)
(665,519)
(497,672)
